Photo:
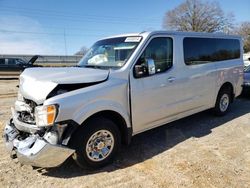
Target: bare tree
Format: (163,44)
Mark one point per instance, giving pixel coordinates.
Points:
(244,31)
(82,51)
(199,16)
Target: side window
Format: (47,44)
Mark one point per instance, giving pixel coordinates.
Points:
(11,62)
(19,62)
(208,50)
(161,51)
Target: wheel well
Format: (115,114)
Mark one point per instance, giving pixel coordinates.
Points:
(126,132)
(226,86)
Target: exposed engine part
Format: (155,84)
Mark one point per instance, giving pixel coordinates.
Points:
(61,91)
(31,103)
(27,117)
(63,88)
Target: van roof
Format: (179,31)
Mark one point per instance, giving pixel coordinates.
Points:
(182,33)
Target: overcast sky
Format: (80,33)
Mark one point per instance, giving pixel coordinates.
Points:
(62,27)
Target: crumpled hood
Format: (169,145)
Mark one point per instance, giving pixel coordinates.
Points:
(37,83)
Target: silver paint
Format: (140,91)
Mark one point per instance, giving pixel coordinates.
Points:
(144,103)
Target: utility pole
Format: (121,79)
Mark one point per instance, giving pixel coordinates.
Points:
(65,43)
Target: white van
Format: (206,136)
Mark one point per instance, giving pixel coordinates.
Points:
(123,86)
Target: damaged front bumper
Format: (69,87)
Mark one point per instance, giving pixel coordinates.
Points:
(34,150)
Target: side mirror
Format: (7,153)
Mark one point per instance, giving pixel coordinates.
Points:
(140,71)
(249,59)
(151,66)
(145,70)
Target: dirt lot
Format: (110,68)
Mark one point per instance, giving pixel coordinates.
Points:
(198,151)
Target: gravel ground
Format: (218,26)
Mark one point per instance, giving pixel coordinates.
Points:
(198,151)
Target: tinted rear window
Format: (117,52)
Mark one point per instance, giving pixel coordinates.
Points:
(206,50)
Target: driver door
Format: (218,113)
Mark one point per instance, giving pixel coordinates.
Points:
(154,98)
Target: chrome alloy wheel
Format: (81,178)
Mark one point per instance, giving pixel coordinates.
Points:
(224,102)
(100,145)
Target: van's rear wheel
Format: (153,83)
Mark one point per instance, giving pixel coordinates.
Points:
(96,143)
(223,102)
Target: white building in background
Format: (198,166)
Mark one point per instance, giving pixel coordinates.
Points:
(246,58)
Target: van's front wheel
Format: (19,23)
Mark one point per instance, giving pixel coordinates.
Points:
(96,143)
(223,102)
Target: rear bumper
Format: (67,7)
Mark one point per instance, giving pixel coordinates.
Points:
(34,150)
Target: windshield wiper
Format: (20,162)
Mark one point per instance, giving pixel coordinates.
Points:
(100,67)
(93,66)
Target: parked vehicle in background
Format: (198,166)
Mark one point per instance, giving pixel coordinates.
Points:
(246,83)
(123,86)
(14,66)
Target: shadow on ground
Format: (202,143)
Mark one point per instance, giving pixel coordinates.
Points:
(153,142)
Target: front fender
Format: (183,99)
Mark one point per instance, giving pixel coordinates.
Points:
(99,106)
(80,104)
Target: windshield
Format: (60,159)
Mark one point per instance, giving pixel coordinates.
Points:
(110,53)
(20,62)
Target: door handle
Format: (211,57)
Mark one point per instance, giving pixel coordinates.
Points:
(171,79)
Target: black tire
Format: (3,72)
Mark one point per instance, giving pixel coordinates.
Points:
(218,109)
(80,138)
